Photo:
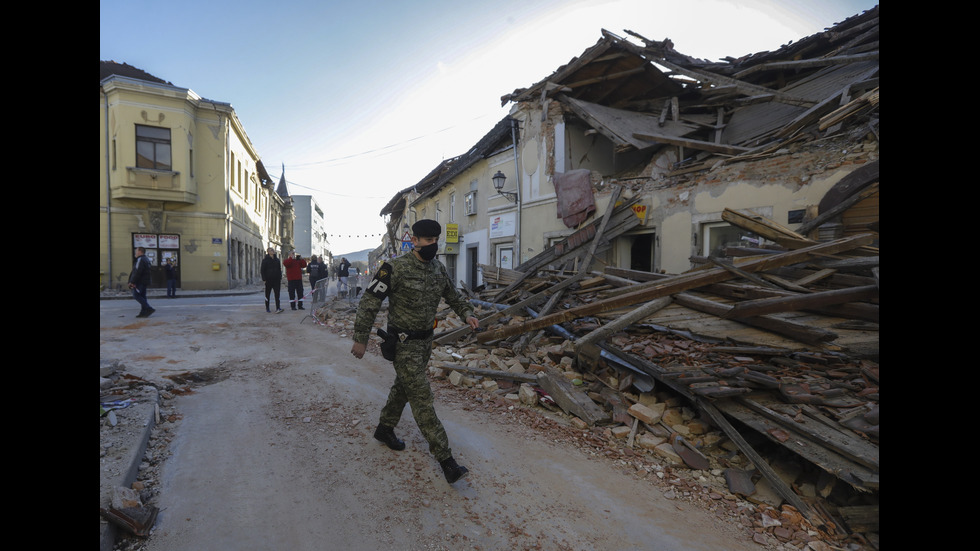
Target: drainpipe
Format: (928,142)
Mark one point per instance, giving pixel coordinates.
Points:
(108,191)
(517,174)
(229,211)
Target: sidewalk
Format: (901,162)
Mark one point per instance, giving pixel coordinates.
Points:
(161,293)
(139,419)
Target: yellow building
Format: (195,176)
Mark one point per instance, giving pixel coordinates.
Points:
(180,177)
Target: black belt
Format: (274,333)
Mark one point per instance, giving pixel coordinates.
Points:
(403,335)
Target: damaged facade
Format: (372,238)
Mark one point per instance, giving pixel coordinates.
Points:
(772,132)
(707,228)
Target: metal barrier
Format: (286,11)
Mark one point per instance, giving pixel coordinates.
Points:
(320,292)
(319,300)
(351,293)
(320,295)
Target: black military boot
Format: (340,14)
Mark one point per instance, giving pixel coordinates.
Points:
(452,471)
(387,435)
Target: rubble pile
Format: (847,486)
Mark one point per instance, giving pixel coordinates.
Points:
(731,390)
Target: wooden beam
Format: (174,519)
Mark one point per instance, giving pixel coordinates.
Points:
(800,302)
(693,144)
(678,284)
(768,473)
(795,331)
(839,208)
(742,86)
(621,322)
(808,63)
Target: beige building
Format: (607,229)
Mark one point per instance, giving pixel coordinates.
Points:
(180,177)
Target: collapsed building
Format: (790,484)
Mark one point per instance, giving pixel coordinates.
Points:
(726,253)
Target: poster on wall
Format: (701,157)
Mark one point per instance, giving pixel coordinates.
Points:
(505,257)
(169,241)
(502,225)
(145,240)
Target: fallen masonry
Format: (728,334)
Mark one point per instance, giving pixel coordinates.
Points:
(780,406)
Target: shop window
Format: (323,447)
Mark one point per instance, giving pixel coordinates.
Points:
(720,235)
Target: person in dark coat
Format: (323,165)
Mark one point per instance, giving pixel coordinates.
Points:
(314,269)
(343,272)
(139,280)
(272,276)
(171,273)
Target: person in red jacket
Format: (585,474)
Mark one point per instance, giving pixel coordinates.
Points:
(294,264)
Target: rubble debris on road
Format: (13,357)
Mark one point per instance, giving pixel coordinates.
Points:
(687,381)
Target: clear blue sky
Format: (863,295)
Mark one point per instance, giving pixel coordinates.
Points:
(361,99)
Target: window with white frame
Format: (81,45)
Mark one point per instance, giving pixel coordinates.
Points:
(717,236)
(469,203)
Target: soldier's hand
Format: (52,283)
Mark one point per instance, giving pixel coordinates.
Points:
(473,323)
(358,350)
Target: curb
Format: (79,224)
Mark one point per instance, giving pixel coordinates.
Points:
(204,294)
(108,531)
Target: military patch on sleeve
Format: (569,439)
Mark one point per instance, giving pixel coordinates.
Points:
(381,284)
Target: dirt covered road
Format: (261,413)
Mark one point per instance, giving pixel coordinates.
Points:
(269,447)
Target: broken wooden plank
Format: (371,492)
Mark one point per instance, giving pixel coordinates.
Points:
(450,336)
(135,520)
(626,320)
(545,310)
(571,400)
(855,474)
(678,284)
(852,447)
(786,328)
(839,208)
(853,310)
(710,147)
(770,475)
(621,219)
(766,228)
(800,302)
(860,518)
(491,373)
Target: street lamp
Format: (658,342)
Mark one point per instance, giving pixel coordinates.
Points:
(498,184)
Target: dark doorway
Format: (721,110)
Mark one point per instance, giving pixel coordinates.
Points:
(641,253)
(472,266)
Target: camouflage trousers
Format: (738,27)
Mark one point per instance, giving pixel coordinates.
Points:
(412,387)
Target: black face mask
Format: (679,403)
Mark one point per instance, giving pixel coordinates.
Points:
(428,252)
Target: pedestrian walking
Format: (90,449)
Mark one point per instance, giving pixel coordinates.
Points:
(413,284)
(139,280)
(294,265)
(271,271)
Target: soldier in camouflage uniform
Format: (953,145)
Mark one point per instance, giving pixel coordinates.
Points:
(413,284)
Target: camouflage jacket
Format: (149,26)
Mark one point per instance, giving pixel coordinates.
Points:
(413,289)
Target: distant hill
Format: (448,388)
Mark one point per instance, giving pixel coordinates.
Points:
(354,257)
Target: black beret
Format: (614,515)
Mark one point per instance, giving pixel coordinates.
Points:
(426,228)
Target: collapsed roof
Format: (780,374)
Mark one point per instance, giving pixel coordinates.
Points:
(650,95)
